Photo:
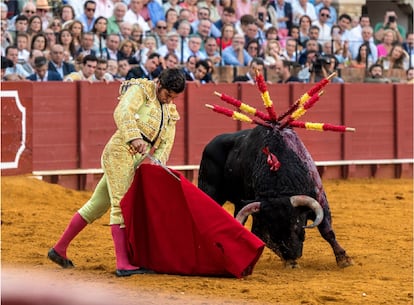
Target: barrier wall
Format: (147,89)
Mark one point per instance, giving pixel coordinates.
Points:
(68,124)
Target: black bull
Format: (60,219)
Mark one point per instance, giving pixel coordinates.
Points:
(234,168)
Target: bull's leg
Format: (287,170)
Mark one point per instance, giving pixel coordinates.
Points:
(342,259)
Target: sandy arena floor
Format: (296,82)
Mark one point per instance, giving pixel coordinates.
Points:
(373,220)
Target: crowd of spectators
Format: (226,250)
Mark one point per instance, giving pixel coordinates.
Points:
(107,40)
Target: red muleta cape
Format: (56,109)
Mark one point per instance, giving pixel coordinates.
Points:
(173,227)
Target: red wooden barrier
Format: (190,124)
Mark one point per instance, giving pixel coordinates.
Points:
(68,124)
(203,123)
(16,128)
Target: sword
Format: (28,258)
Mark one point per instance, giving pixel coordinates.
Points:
(157,162)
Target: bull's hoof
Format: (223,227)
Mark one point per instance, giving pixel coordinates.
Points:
(344,261)
(291,264)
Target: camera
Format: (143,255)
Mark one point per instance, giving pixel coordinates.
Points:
(391,19)
(319,62)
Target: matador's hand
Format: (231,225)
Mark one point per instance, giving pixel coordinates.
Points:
(138,146)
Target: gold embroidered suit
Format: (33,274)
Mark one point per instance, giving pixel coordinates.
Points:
(139,114)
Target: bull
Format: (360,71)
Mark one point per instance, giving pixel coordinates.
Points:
(281,200)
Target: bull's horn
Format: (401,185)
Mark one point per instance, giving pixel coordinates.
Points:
(311,203)
(247,210)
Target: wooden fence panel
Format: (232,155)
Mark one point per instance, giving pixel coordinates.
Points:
(203,123)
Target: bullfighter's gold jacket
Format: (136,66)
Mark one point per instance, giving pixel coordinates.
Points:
(140,115)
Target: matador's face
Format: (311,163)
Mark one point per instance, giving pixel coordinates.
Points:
(165,96)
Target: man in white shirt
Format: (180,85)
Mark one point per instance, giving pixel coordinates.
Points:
(303,7)
(133,15)
(324,28)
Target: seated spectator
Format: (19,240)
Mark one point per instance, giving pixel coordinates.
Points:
(388,40)
(76,29)
(408,46)
(113,43)
(145,70)
(39,42)
(159,32)
(12,54)
(272,53)
(101,72)
(410,75)
(67,13)
(99,35)
(283,70)
(125,30)
(171,17)
(333,15)
(123,68)
(22,42)
(212,51)
(86,46)
(201,70)
(57,63)
(42,74)
(361,60)
(194,48)
(227,34)
(304,27)
(87,71)
(113,69)
(322,24)
(253,48)
(397,58)
(256,64)
(390,22)
(127,50)
(87,18)
(208,78)
(65,39)
(236,55)
(189,68)
(376,75)
(117,18)
(290,52)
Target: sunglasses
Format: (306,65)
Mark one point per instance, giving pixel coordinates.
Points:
(326,15)
(161,27)
(90,9)
(28,11)
(56,24)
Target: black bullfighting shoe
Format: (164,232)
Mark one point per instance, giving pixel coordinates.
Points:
(60,260)
(122,273)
